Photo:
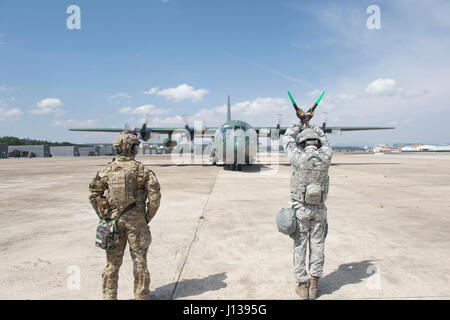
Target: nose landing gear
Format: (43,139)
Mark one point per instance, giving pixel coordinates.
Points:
(236,167)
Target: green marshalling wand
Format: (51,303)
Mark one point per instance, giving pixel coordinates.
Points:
(305,117)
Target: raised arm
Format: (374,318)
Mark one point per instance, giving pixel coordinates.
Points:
(325,149)
(289,141)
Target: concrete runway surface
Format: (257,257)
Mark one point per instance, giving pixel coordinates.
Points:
(215,234)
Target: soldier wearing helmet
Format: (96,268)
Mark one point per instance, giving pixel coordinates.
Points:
(129,194)
(310,155)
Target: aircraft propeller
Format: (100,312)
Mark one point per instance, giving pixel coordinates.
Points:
(324,123)
(279,120)
(145,132)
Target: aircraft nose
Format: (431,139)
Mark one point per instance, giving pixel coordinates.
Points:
(241,144)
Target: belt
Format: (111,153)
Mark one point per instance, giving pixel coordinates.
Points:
(127,208)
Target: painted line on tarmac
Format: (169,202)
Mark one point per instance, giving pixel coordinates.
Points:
(205,208)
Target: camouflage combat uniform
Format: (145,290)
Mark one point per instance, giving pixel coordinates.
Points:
(308,164)
(124,185)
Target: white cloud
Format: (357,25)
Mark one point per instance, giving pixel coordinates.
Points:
(77,123)
(182,92)
(416,93)
(256,106)
(153,90)
(168,121)
(48,105)
(314,93)
(382,86)
(261,111)
(7,88)
(389,87)
(119,95)
(147,108)
(10,113)
(345,96)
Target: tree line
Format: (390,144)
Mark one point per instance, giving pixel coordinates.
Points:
(14,141)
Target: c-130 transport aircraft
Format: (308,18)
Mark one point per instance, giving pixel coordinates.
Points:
(235,141)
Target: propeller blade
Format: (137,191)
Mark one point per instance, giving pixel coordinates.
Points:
(146,118)
(324,121)
(144,133)
(186,125)
(127,127)
(279,120)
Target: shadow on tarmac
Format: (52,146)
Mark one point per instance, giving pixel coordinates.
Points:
(349,273)
(363,163)
(190,287)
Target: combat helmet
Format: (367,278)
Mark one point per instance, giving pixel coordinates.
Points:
(306,135)
(125,144)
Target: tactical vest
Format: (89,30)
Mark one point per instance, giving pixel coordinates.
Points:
(126,185)
(310,180)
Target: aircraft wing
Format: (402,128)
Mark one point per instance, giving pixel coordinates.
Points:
(153,130)
(209,131)
(282,130)
(340,129)
(328,129)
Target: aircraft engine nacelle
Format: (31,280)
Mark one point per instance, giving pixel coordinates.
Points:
(169,143)
(145,132)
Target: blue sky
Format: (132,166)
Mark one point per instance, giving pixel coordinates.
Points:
(175,57)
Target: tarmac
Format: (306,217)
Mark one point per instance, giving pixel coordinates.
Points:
(215,234)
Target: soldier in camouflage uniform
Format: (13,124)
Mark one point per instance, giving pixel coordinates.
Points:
(310,154)
(127,190)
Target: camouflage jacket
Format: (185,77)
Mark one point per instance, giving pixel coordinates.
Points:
(293,151)
(141,187)
(304,172)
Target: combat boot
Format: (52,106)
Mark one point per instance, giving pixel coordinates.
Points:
(313,288)
(302,290)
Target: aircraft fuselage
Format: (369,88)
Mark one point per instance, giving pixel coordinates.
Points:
(234,143)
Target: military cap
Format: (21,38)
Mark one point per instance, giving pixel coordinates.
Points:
(308,134)
(125,142)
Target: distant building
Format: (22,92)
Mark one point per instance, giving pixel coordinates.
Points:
(106,150)
(65,151)
(379,148)
(89,151)
(38,150)
(152,148)
(3,151)
(416,147)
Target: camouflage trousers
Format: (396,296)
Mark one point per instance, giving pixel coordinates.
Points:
(312,229)
(133,228)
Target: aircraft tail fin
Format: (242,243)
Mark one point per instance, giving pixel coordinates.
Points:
(228,110)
